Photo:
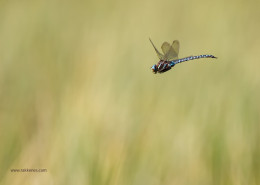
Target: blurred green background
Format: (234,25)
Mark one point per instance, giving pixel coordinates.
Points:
(77,96)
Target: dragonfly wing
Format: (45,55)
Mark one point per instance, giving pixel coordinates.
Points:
(173,51)
(161,56)
(165,47)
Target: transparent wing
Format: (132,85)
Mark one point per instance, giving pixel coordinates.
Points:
(171,52)
(161,56)
(165,47)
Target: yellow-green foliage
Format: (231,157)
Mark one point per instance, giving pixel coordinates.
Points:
(77,96)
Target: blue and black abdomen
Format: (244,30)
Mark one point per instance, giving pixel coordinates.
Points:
(190,58)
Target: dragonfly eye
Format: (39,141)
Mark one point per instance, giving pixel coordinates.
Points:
(154,69)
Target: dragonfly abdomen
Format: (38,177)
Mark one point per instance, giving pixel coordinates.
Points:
(190,58)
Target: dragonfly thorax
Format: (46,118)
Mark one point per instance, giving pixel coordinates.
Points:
(161,67)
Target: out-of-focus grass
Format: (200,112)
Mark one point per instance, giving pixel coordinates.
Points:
(77,96)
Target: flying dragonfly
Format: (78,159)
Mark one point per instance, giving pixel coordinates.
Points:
(169,58)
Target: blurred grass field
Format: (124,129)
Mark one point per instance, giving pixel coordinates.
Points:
(77,96)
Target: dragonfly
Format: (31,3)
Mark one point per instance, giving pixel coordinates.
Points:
(169,58)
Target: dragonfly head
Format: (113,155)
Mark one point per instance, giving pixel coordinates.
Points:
(154,69)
